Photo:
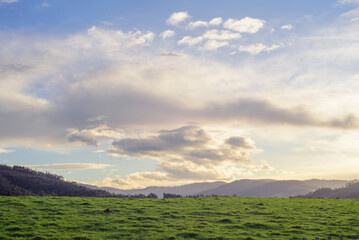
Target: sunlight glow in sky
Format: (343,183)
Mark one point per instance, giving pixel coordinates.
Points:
(139,93)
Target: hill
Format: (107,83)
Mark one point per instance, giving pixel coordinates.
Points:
(351,190)
(184,190)
(240,188)
(272,188)
(20,181)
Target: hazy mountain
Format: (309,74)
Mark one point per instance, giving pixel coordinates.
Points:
(240,188)
(272,188)
(184,190)
(351,190)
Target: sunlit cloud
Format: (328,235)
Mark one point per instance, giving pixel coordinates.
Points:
(258,48)
(197,24)
(3,150)
(167,34)
(211,45)
(190,41)
(69,166)
(287,27)
(244,25)
(216,21)
(215,34)
(177,17)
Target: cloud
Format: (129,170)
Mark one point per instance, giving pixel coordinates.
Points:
(261,111)
(3,150)
(69,166)
(221,35)
(91,136)
(216,21)
(190,41)
(112,38)
(169,55)
(245,25)
(186,153)
(258,47)
(240,142)
(352,15)
(197,24)
(55,90)
(167,34)
(83,136)
(177,18)
(287,27)
(188,143)
(211,45)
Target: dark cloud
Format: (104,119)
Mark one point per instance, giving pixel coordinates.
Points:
(188,143)
(170,141)
(257,111)
(83,137)
(169,55)
(123,107)
(240,142)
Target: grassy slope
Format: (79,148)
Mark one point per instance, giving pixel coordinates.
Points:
(202,218)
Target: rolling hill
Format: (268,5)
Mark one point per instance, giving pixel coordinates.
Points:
(240,188)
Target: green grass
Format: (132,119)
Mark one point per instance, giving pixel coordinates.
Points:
(182,218)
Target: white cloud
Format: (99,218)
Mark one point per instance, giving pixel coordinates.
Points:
(177,18)
(69,166)
(245,25)
(216,21)
(3,150)
(211,45)
(259,47)
(188,40)
(197,24)
(215,34)
(113,38)
(167,34)
(287,27)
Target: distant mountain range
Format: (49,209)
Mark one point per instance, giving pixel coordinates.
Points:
(239,188)
(351,190)
(19,181)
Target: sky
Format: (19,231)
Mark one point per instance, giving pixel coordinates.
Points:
(137,93)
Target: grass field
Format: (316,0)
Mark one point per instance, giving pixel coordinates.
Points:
(182,218)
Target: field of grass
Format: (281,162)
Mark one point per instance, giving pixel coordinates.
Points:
(182,218)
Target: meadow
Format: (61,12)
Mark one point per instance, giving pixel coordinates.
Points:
(180,218)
